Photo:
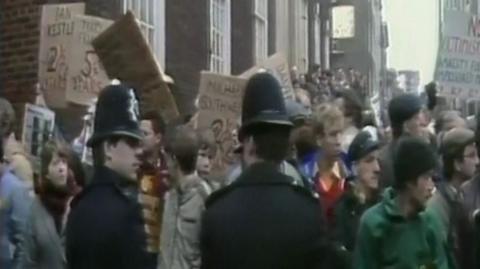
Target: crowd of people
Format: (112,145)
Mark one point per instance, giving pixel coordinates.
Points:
(316,184)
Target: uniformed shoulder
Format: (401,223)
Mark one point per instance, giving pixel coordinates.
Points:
(216,195)
(301,190)
(96,193)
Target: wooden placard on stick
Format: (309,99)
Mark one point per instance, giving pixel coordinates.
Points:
(86,75)
(55,36)
(220,104)
(126,55)
(276,65)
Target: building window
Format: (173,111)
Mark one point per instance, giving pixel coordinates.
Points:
(150,15)
(261,30)
(343,20)
(220,36)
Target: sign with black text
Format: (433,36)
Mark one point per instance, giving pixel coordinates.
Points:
(57,27)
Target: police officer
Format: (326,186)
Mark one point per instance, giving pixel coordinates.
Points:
(263,219)
(105,228)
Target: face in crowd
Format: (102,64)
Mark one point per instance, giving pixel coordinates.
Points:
(467,165)
(151,139)
(331,140)
(124,156)
(367,170)
(204,162)
(414,126)
(421,190)
(58,170)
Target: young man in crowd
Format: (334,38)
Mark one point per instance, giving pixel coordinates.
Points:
(405,116)
(153,175)
(184,203)
(206,153)
(361,193)
(471,203)
(328,167)
(351,105)
(460,160)
(15,203)
(259,221)
(106,228)
(396,233)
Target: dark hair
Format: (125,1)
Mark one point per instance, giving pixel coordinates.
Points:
(449,164)
(271,141)
(51,149)
(158,123)
(412,157)
(304,139)
(353,106)
(182,143)
(98,152)
(206,140)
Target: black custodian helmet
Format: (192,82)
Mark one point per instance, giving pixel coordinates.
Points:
(263,103)
(116,113)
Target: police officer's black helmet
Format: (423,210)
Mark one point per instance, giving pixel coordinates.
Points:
(116,113)
(263,104)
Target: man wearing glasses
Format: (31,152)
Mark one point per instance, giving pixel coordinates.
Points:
(460,159)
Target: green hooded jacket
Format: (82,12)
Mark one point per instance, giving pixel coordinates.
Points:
(387,240)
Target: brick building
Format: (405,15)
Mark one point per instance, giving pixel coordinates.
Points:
(222,36)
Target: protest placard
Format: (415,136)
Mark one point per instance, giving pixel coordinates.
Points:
(276,65)
(56,29)
(220,105)
(38,125)
(86,75)
(457,71)
(126,55)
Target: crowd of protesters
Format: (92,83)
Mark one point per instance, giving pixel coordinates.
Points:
(316,184)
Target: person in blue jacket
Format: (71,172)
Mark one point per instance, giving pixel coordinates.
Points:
(15,203)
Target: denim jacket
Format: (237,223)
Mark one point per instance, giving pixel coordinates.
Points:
(15,204)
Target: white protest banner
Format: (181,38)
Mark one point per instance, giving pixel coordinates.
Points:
(458,63)
(276,65)
(220,105)
(55,32)
(38,124)
(86,75)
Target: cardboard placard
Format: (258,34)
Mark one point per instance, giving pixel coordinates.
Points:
(276,65)
(56,29)
(126,55)
(86,75)
(38,125)
(220,104)
(457,71)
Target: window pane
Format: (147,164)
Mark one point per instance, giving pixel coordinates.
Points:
(151,12)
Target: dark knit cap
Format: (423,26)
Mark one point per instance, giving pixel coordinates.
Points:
(403,108)
(361,146)
(412,158)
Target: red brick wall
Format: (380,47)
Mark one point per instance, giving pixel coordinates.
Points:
(19,28)
(19,44)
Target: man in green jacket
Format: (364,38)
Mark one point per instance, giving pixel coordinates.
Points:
(396,233)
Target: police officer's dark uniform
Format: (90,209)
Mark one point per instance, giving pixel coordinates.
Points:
(263,220)
(105,227)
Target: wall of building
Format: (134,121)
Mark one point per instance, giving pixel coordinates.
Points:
(242,36)
(363,52)
(187,48)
